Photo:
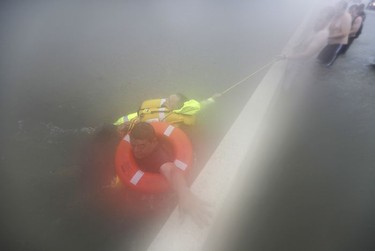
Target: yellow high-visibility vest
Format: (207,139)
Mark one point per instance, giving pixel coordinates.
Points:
(154,110)
(126,118)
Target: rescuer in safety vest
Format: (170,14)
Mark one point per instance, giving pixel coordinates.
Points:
(176,110)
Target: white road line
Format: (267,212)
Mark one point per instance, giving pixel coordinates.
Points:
(217,176)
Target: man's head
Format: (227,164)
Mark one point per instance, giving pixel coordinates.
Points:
(143,140)
(353,10)
(361,7)
(340,7)
(175,101)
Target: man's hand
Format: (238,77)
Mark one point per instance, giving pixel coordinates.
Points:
(115,183)
(123,128)
(216,95)
(190,204)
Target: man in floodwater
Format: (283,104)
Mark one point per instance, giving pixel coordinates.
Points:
(152,155)
(176,110)
(339,30)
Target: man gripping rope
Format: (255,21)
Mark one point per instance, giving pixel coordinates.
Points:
(176,110)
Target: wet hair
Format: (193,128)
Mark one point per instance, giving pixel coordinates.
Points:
(142,131)
(361,11)
(182,99)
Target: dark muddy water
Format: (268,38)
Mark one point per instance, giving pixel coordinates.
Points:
(67,67)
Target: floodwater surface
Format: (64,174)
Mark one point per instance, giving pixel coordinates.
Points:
(69,67)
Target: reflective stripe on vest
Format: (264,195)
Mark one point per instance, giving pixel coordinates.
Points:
(126,118)
(152,110)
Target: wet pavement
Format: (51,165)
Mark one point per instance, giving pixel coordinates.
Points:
(318,193)
(67,68)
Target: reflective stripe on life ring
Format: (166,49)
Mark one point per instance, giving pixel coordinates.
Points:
(147,182)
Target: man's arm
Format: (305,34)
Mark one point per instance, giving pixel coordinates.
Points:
(187,201)
(356,25)
(210,100)
(345,27)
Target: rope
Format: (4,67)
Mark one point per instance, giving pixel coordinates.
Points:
(251,75)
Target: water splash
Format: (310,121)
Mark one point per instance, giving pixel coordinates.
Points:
(48,132)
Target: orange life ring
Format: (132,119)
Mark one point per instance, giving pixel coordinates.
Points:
(146,182)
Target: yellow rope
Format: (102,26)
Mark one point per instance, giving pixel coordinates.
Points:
(252,74)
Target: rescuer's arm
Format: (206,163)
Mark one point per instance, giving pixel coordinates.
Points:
(356,25)
(345,28)
(210,100)
(187,201)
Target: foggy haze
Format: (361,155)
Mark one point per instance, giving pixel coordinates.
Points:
(69,66)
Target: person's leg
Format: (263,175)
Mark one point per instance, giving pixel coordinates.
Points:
(326,55)
(345,47)
(336,52)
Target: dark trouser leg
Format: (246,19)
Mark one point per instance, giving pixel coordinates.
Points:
(335,55)
(327,54)
(345,47)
